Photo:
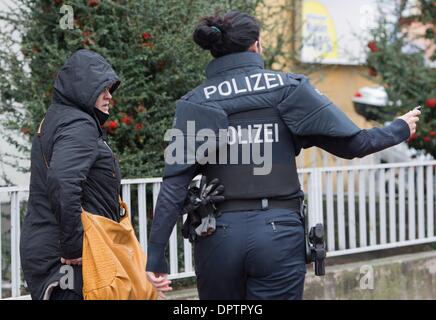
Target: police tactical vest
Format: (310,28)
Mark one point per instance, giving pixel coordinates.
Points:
(245,118)
(262,131)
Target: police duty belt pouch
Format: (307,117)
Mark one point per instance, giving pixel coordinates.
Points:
(200,209)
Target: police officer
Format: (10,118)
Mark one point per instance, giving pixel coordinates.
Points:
(257,250)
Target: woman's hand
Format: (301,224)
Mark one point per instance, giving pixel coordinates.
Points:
(72,262)
(160,282)
(411,118)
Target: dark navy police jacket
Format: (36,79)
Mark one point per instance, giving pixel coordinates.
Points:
(278,113)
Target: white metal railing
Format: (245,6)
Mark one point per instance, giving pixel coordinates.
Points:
(363,208)
(373,207)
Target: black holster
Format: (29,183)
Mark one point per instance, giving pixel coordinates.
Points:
(315,249)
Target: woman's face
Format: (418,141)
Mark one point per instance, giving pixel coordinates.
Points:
(103,101)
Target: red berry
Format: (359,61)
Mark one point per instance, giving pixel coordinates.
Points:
(426,139)
(127,120)
(139,126)
(431,103)
(372,45)
(93,3)
(146,36)
(432,133)
(111,125)
(413,137)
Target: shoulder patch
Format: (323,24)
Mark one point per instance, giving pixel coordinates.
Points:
(295,78)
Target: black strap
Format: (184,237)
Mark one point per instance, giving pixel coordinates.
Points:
(259,204)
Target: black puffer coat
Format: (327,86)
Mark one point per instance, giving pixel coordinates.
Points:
(82,172)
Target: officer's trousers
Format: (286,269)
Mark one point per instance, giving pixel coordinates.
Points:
(257,254)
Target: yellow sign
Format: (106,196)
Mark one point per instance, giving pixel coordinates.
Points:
(319,33)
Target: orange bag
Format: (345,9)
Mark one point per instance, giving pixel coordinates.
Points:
(113,261)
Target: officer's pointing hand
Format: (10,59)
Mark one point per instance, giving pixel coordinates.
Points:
(411,118)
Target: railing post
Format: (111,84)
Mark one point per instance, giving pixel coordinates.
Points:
(421,200)
(314,193)
(156,189)
(351,210)
(411,203)
(331,241)
(341,210)
(15,248)
(311,201)
(382,205)
(372,209)
(392,207)
(319,196)
(142,215)
(1,253)
(402,204)
(430,203)
(174,259)
(362,209)
(126,198)
(187,249)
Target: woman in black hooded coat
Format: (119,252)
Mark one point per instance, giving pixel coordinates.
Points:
(72,167)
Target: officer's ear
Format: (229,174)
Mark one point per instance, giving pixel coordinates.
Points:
(259,46)
(256,47)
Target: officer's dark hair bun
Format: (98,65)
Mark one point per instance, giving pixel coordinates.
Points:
(234,32)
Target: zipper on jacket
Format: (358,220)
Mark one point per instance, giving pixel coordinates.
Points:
(113,159)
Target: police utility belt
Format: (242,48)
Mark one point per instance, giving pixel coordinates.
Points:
(206,202)
(259,204)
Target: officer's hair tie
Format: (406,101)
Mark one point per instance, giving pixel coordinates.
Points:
(216,29)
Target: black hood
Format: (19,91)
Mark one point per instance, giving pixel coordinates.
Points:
(82,78)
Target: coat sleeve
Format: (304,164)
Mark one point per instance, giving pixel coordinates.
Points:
(74,152)
(306,111)
(361,144)
(169,205)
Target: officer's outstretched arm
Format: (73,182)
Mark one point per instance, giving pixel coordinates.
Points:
(308,112)
(315,121)
(361,144)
